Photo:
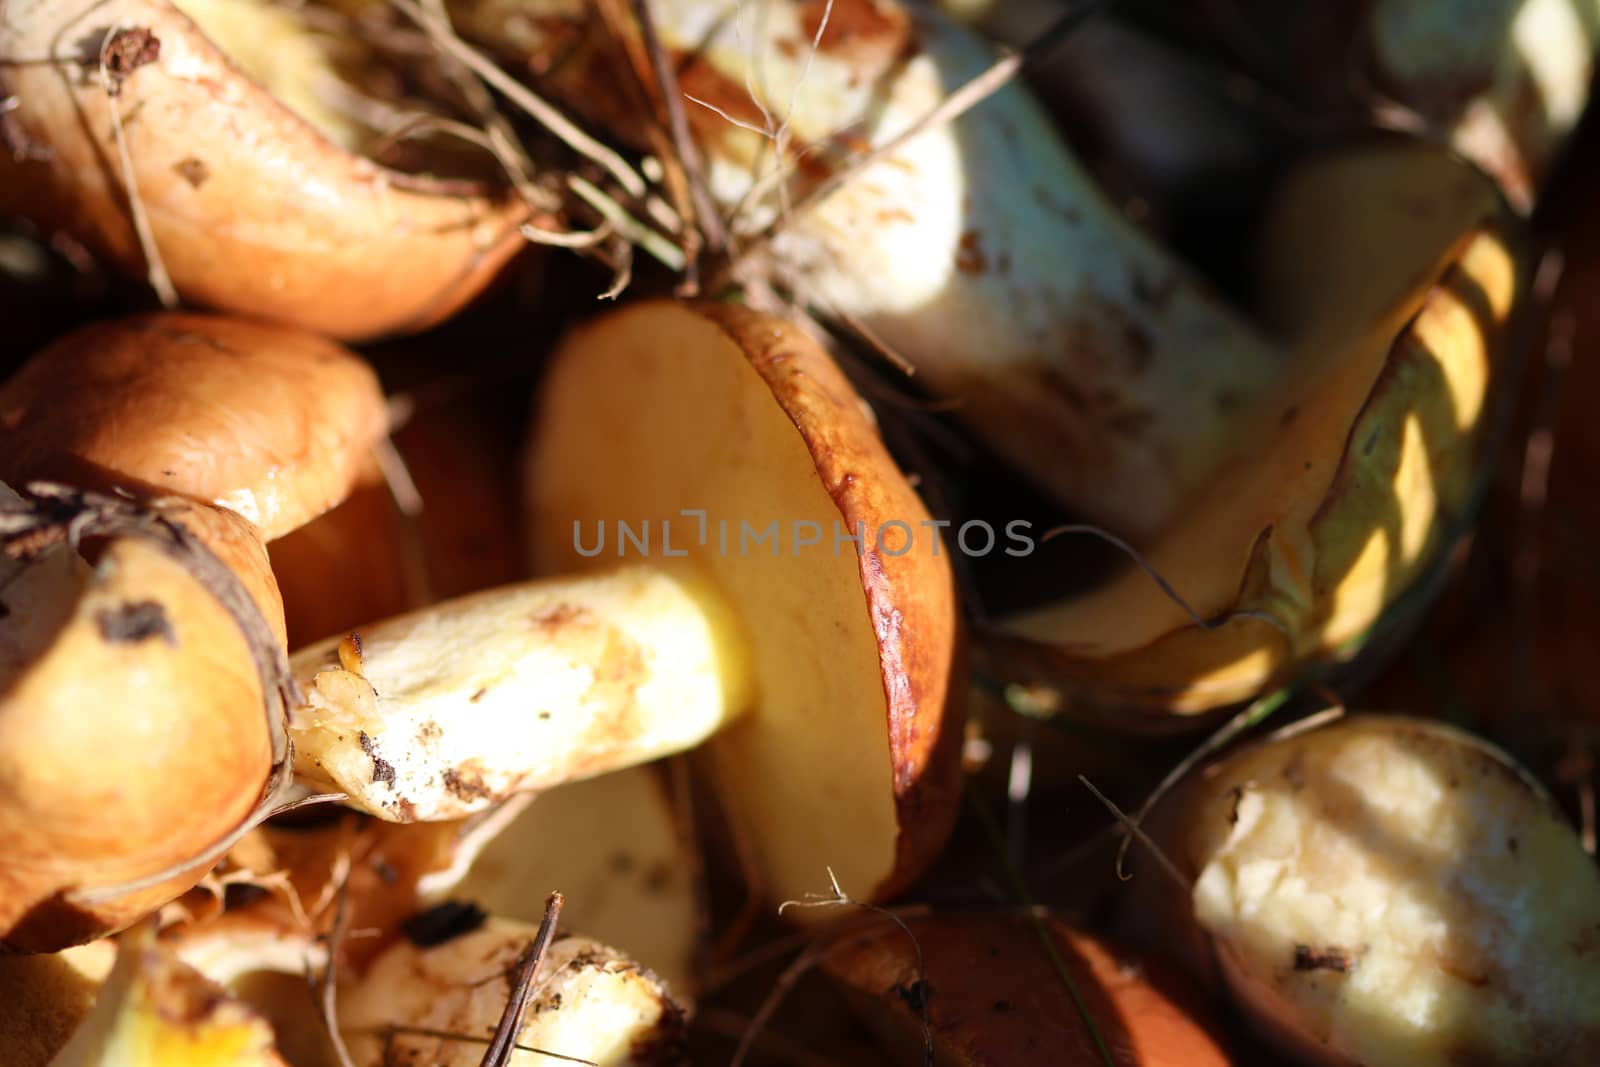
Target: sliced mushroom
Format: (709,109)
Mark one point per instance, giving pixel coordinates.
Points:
(1388,891)
(1393,268)
(232,118)
(615,845)
(440,1003)
(825,675)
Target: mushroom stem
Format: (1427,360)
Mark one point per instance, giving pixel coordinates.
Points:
(437,713)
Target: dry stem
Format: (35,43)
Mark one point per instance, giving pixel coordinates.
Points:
(501,1045)
(155,266)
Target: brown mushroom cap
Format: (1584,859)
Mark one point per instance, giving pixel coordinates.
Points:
(848,758)
(253,210)
(995,998)
(132,731)
(273,423)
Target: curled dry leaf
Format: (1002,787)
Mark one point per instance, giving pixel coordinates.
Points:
(249,174)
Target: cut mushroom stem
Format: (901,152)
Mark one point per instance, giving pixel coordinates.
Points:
(820,669)
(435,714)
(1385,891)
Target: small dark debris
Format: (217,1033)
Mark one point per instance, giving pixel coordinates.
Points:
(128,50)
(443,922)
(479,695)
(242,894)
(465,786)
(657,878)
(544,715)
(1002,1005)
(1512,845)
(915,994)
(1237,792)
(382,769)
(386,872)
(1339,960)
(5,610)
(196,173)
(135,621)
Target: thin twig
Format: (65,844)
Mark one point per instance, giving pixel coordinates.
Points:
(1019,886)
(327,995)
(1244,720)
(446,1035)
(526,99)
(155,266)
(1156,576)
(705,208)
(963,99)
(503,1043)
(807,959)
(634,231)
(1136,831)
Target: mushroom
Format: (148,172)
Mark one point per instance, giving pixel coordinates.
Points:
(825,676)
(996,996)
(617,847)
(981,251)
(142,646)
(1504,83)
(1385,891)
(1093,360)
(1393,268)
(254,192)
(43,999)
(137,703)
(439,1001)
(269,422)
(155,1011)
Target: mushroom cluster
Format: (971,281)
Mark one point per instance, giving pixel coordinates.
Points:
(799,531)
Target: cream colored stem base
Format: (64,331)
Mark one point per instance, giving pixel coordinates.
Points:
(444,711)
